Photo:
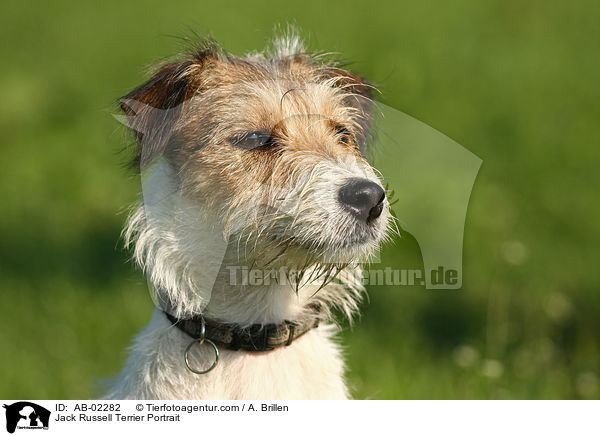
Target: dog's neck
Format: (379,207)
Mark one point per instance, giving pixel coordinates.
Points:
(265,301)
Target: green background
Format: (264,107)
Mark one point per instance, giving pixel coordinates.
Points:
(516,82)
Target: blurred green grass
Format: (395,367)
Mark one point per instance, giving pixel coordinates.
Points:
(514,82)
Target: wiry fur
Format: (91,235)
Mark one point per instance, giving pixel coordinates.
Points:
(210,205)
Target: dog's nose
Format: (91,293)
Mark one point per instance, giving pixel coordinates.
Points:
(363,198)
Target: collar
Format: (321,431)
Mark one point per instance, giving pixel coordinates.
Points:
(256,337)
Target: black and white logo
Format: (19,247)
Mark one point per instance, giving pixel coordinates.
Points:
(26,415)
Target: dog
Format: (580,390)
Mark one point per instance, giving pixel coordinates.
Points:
(252,163)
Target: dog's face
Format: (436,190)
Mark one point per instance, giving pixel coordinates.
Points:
(273,149)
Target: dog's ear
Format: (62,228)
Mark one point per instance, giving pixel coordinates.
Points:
(153,108)
(359,96)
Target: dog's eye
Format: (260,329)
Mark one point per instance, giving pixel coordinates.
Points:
(254,140)
(343,134)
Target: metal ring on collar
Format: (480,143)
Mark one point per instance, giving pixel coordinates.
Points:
(200,341)
(187,361)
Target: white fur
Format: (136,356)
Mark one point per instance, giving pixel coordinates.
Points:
(311,368)
(172,245)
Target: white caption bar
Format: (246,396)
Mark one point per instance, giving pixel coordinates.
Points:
(301,417)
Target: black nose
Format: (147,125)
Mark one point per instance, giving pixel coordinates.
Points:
(363,198)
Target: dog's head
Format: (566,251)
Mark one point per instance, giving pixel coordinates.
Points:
(271,147)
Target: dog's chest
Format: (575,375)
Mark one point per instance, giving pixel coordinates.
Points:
(310,368)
